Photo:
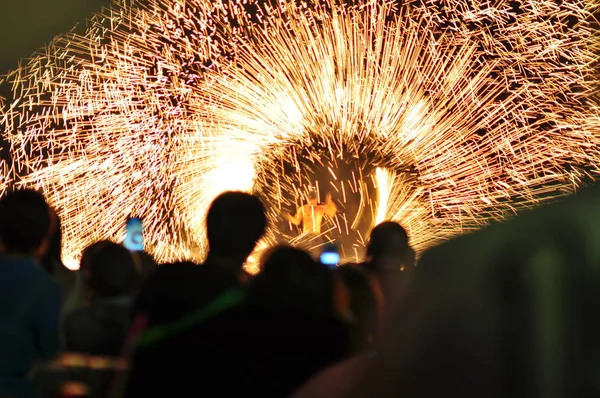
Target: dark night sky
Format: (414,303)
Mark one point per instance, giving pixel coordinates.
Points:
(26,25)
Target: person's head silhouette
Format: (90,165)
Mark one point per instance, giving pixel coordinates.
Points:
(25,223)
(234,224)
(388,247)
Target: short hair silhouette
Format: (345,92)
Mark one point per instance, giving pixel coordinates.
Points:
(290,278)
(24,221)
(388,239)
(234,224)
(111,269)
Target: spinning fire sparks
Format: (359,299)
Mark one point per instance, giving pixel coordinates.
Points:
(442,116)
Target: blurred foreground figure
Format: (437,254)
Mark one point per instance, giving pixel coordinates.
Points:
(100,327)
(262,341)
(295,328)
(509,311)
(29,297)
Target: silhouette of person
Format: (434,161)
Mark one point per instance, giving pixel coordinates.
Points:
(311,214)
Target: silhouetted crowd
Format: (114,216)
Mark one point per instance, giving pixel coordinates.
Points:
(508,311)
(123,326)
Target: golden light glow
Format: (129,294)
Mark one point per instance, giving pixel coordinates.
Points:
(384,183)
(159,107)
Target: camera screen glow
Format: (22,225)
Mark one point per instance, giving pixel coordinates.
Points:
(134,236)
(330,258)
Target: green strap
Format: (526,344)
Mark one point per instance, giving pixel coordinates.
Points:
(227,300)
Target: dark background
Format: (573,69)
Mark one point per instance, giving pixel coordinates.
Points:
(26,25)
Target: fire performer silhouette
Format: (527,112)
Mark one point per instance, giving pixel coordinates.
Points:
(311,214)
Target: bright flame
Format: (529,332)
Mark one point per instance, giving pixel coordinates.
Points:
(385,180)
(71,263)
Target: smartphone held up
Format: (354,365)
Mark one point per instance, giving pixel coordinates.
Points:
(134,237)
